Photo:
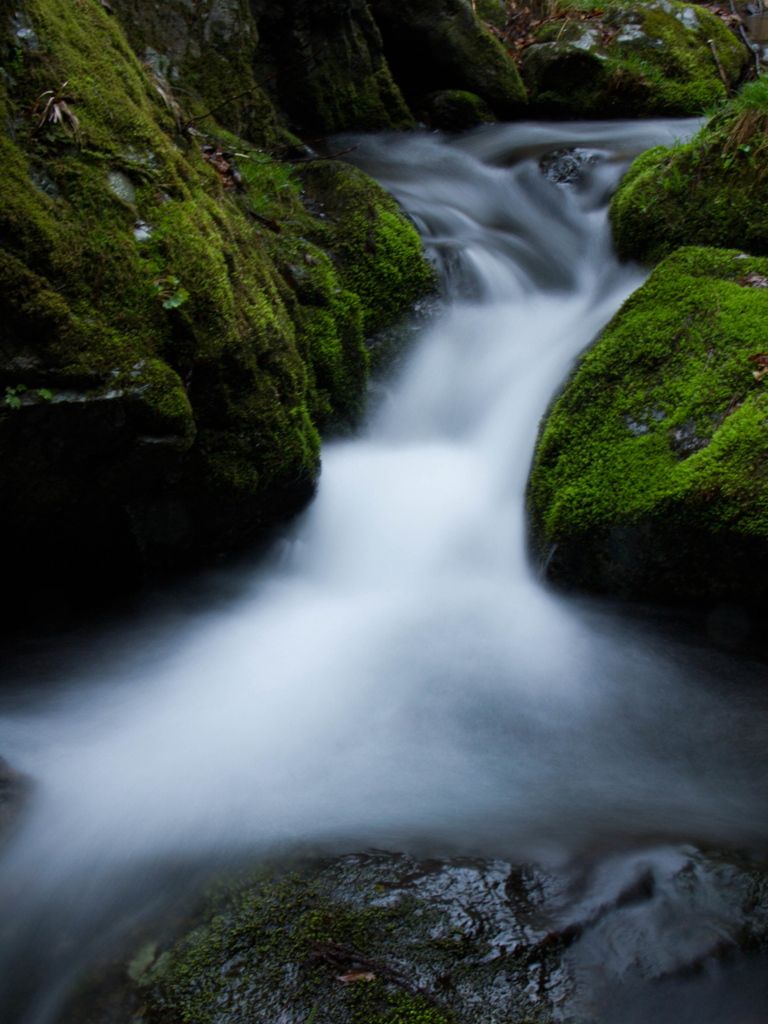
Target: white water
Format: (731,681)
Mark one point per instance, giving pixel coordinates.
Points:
(398,675)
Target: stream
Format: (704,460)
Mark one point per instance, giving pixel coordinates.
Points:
(393,674)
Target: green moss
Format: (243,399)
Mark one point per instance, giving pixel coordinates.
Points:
(657,61)
(129,263)
(663,421)
(454,110)
(271,941)
(377,253)
(707,191)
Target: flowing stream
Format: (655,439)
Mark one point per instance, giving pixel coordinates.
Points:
(395,675)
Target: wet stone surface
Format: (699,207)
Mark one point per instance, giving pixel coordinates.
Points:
(384,937)
(566,166)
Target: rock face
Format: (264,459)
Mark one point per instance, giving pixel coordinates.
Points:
(709,191)
(653,59)
(179,324)
(325,67)
(650,479)
(387,939)
(434,45)
(344,82)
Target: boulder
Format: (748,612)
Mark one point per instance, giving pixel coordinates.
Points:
(388,939)
(434,45)
(182,315)
(650,479)
(453,110)
(709,191)
(329,66)
(656,59)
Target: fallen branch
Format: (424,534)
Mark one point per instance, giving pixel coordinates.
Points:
(720,68)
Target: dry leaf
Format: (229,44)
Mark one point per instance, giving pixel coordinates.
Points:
(357,975)
(761,358)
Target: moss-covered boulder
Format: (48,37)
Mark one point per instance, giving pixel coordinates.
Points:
(329,69)
(652,59)
(453,110)
(372,939)
(709,191)
(177,324)
(322,66)
(381,938)
(433,45)
(650,479)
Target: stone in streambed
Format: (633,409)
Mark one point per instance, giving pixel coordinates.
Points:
(650,479)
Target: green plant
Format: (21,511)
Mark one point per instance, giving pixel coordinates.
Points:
(52,107)
(170,292)
(13,396)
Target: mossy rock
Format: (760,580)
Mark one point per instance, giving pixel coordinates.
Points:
(650,479)
(634,60)
(709,191)
(291,941)
(453,110)
(178,326)
(434,45)
(326,67)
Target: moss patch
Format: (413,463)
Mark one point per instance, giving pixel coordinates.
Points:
(709,191)
(651,474)
(633,60)
(188,290)
(289,942)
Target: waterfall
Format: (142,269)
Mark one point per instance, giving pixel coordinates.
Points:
(394,674)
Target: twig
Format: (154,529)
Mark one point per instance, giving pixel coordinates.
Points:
(337,956)
(331,156)
(720,68)
(744,37)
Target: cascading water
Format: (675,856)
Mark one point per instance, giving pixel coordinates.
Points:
(396,675)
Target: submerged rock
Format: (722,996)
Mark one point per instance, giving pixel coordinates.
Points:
(656,59)
(650,479)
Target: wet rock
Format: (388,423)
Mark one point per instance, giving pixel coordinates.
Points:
(566,166)
(390,937)
(651,475)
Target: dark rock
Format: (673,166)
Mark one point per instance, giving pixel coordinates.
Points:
(566,166)
(453,110)
(435,45)
(344,82)
(438,939)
